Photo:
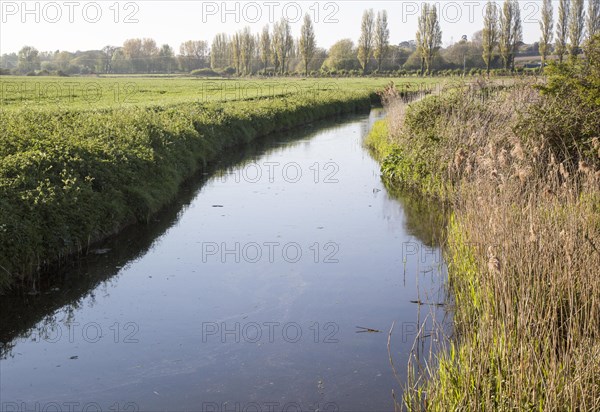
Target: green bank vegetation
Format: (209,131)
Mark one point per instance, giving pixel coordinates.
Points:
(521,167)
(72,176)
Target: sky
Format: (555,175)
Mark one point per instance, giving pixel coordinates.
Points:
(90,25)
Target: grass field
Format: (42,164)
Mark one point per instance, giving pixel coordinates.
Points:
(109,92)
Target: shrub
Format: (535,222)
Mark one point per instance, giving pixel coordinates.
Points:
(206,72)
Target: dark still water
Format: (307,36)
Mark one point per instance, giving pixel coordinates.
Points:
(245,295)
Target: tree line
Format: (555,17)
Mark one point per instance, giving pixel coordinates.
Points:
(274,50)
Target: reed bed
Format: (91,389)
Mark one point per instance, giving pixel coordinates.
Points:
(523,244)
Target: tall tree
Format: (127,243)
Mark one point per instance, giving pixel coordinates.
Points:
(247,50)
(421,39)
(562,29)
(547,28)
(220,52)
(308,43)
(382,38)
(593,18)
(283,42)
(429,37)
(517,32)
(236,52)
(511,32)
(365,42)
(507,18)
(576,27)
(292,54)
(490,33)
(265,48)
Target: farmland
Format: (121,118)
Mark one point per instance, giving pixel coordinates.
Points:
(94,93)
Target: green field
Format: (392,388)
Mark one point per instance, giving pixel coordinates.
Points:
(110,92)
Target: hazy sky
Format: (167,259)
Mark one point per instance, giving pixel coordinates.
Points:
(84,25)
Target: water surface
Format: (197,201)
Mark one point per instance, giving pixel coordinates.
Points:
(245,294)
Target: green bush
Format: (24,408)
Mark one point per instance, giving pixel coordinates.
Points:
(569,111)
(204,73)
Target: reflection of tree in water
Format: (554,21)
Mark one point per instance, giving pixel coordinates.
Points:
(426,218)
(60,294)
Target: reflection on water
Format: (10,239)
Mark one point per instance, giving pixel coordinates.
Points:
(247,292)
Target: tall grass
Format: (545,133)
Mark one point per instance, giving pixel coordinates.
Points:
(522,170)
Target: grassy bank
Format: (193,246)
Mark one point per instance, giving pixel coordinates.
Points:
(521,167)
(70,177)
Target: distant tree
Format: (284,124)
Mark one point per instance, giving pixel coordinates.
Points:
(106,63)
(490,34)
(274,54)
(193,55)
(342,56)
(562,29)
(429,37)
(307,43)
(236,52)
(293,55)
(283,42)
(132,50)
(220,52)
(576,27)
(511,32)
(149,55)
(29,59)
(265,48)
(463,54)
(63,60)
(166,59)
(120,63)
(9,60)
(517,30)
(248,46)
(397,57)
(593,18)
(408,44)
(365,42)
(382,38)
(318,60)
(547,27)
(477,37)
